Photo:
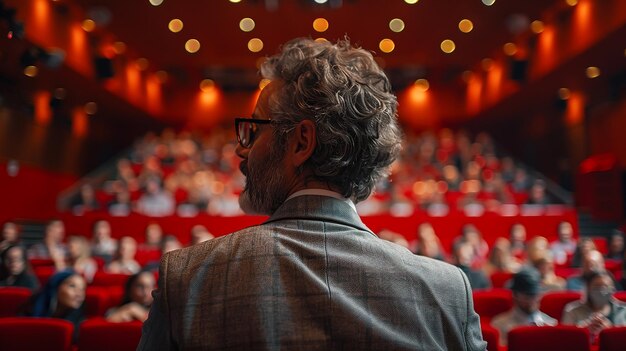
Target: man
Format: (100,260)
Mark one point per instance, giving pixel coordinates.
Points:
(52,246)
(313,276)
(462,255)
(593,261)
(526,288)
(565,246)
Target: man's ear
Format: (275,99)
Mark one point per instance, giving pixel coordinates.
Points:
(304,142)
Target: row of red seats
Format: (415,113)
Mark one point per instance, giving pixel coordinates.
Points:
(51,334)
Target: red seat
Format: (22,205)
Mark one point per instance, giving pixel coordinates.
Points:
(44,273)
(490,303)
(612,339)
(601,244)
(100,335)
(499,279)
(553,303)
(35,334)
(491,335)
(620,295)
(109,279)
(12,299)
(566,272)
(98,299)
(41,262)
(562,337)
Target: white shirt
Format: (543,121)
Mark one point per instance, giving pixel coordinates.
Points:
(322,192)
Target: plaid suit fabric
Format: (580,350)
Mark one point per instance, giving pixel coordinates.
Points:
(312,277)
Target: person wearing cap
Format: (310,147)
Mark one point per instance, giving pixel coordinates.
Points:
(526,287)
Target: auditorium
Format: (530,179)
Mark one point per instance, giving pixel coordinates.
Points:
(312,175)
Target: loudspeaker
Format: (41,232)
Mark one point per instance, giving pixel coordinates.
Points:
(518,70)
(104,67)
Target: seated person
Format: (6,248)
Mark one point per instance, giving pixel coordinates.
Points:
(480,249)
(156,202)
(169,243)
(592,261)
(428,243)
(62,297)
(393,237)
(200,234)
(549,280)
(616,246)
(517,236)
(463,254)
(102,244)
(565,246)
(10,235)
(153,237)
(124,261)
(526,295)
(599,310)
(501,259)
(79,258)
(585,245)
(537,249)
(15,269)
(52,246)
(136,301)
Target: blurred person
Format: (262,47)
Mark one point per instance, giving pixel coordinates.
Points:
(170,243)
(79,258)
(592,261)
(517,236)
(471,235)
(153,238)
(10,236)
(156,202)
(526,296)
(121,205)
(462,258)
(200,234)
(136,301)
(537,194)
(86,200)
(324,130)
(585,245)
(521,181)
(598,309)
(428,243)
(62,297)
(565,246)
(615,246)
(393,237)
(500,259)
(102,244)
(124,261)
(52,246)
(549,280)
(15,269)
(536,249)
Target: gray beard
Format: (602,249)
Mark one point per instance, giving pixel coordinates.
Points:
(265,188)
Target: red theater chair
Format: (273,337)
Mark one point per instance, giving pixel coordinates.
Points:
(612,339)
(562,337)
(44,273)
(35,334)
(100,335)
(490,303)
(499,279)
(109,279)
(12,299)
(491,336)
(553,303)
(620,295)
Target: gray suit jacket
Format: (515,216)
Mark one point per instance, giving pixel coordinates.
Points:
(313,277)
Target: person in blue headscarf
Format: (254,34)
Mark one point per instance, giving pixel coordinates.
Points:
(62,297)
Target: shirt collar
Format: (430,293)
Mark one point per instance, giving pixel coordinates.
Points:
(322,192)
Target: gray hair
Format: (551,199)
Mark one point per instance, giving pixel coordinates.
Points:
(348,97)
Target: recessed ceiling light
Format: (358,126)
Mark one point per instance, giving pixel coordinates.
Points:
(320,25)
(447,46)
(192,46)
(246,24)
(396,25)
(489,2)
(175,25)
(592,72)
(386,45)
(466,26)
(255,45)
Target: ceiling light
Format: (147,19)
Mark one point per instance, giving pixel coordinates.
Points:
(564,93)
(466,26)
(175,25)
(422,84)
(30,71)
(447,46)
(509,49)
(88,25)
(255,45)
(247,24)
(320,25)
(321,1)
(489,2)
(592,72)
(320,40)
(156,2)
(235,1)
(536,26)
(411,2)
(571,2)
(192,46)
(206,85)
(91,108)
(386,45)
(396,25)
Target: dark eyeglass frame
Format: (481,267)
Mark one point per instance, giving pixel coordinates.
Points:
(252,122)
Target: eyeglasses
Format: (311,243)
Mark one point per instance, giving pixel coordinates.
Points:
(246,128)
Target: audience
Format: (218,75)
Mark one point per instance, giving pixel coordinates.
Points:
(471,235)
(136,301)
(52,246)
(155,202)
(599,309)
(200,234)
(393,237)
(592,261)
(463,254)
(537,249)
(565,246)
(153,237)
(549,280)
(10,236)
(79,258)
(62,297)
(501,259)
(517,236)
(124,260)
(615,246)
(15,269)
(428,243)
(526,295)
(102,244)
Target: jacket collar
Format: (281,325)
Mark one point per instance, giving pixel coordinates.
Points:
(319,207)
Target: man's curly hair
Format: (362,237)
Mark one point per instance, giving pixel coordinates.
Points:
(348,97)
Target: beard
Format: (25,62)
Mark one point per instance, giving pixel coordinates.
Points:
(265,188)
